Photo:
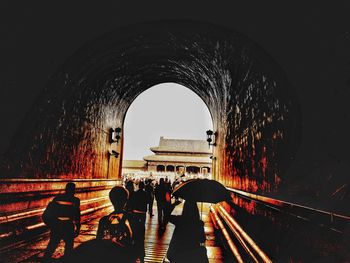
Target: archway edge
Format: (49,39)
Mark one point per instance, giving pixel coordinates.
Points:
(87,62)
(97,84)
(211,114)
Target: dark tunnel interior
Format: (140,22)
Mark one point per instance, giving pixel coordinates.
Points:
(255,111)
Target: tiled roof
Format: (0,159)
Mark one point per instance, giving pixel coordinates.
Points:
(178,159)
(134,163)
(180,145)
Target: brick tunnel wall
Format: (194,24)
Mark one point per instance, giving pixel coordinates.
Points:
(254,110)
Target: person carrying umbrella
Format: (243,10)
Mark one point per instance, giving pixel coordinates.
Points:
(187,243)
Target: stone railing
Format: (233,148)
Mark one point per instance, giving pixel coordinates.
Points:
(22,201)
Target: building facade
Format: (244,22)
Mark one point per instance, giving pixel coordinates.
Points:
(134,166)
(181,156)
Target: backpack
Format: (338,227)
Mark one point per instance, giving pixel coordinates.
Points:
(115,228)
(49,216)
(167,197)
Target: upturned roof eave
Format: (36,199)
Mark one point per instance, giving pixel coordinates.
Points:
(157,150)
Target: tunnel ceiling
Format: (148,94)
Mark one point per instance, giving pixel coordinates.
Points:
(254,110)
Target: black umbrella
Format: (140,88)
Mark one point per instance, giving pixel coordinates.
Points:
(202,190)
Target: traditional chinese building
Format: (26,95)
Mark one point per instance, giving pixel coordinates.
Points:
(188,156)
(133,166)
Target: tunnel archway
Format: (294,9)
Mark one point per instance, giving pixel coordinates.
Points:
(153,116)
(254,110)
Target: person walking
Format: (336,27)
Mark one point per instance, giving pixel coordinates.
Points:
(63,218)
(131,190)
(139,202)
(168,206)
(187,243)
(150,190)
(160,192)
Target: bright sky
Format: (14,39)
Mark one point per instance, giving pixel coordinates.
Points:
(170,110)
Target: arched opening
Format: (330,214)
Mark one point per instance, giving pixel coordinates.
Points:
(180,169)
(167,124)
(254,111)
(160,168)
(170,168)
(193,169)
(205,170)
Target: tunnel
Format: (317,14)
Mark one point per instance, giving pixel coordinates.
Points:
(255,111)
(69,133)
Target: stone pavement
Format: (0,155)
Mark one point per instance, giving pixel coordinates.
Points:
(156,241)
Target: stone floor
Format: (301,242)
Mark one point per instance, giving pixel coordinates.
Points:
(156,242)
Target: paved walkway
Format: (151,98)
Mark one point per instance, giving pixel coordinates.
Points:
(156,242)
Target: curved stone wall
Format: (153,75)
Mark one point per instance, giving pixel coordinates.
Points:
(66,134)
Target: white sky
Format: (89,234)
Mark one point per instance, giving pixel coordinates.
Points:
(170,110)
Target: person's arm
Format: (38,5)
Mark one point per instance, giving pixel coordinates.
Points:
(202,236)
(77,218)
(149,196)
(101,228)
(129,228)
(174,219)
(172,205)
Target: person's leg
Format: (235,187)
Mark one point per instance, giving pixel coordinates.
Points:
(167,212)
(138,237)
(142,237)
(162,214)
(68,238)
(52,245)
(159,209)
(150,206)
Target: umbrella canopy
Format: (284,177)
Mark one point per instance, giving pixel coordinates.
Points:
(202,190)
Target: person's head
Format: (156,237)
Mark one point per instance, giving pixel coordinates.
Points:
(130,186)
(118,196)
(141,185)
(70,189)
(161,181)
(190,211)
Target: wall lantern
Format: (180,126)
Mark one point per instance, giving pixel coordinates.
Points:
(115,135)
(114,153)
(211,138)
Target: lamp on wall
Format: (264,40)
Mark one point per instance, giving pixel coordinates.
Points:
(114,153)
(115,135)
(211,136)
(110,153)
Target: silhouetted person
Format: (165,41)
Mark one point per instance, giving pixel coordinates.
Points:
(63,221)
(113,241)
(187,243)
(160,193)
(167,181)
(131,190)
(168,207)
(150,190)
(175,183)
(138,211)
(116,227)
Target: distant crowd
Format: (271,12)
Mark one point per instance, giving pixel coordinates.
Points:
(143,191)
(121,234)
